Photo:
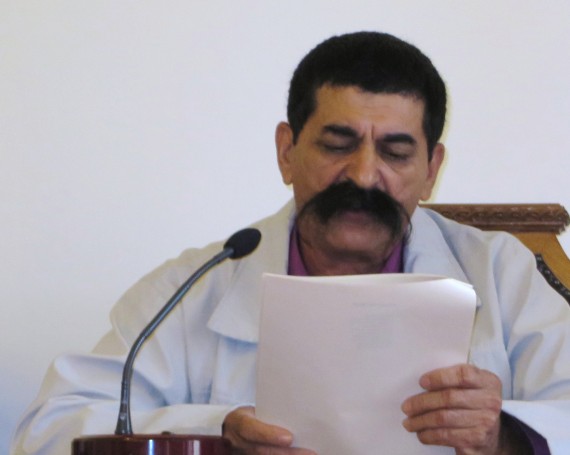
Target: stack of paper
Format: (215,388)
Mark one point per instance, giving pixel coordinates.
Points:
(338,356)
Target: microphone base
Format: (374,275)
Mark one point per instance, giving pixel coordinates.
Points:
(150,444)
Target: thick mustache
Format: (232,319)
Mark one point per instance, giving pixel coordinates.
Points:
(347,196)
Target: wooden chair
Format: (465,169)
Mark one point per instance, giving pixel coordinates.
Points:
(536,225)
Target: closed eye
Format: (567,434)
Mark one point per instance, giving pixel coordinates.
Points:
(396,156)
(332,147)
(398,147)
(397,153)
(338,139)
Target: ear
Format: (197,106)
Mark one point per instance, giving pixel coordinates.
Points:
(434,165)
(284,145)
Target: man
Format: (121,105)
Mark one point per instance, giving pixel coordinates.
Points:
(361,149)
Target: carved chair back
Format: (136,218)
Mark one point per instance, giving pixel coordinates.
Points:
(536,225)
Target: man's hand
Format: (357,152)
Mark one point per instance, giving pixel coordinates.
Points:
(249,435)
(460,408)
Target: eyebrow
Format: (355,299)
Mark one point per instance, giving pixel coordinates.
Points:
(399,137)
(340,130)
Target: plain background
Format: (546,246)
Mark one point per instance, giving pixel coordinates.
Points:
(130,130)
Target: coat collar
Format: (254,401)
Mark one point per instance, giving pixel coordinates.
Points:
(428,251)
(237,314)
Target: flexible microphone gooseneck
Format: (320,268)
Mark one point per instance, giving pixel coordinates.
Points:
(237,246)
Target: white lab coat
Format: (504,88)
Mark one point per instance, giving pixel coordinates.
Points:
(201,362)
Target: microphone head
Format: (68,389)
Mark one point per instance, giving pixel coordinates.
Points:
(243,242)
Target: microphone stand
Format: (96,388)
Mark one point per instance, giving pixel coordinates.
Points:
(124,442)
(124,426)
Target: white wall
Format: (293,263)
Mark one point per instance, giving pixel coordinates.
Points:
(130,130)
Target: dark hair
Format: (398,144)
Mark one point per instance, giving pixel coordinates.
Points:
(375,62)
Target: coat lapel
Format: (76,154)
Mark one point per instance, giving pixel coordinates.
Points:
(237,314)
(428,251)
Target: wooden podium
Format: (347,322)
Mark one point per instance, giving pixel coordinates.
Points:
(150,444)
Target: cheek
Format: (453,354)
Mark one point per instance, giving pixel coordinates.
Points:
(406,190)
(315,175)
(304,184)
(308,185)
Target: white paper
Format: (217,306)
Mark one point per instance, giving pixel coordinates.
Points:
(338,355)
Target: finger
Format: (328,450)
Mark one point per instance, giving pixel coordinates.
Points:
(453,399)
(243,429)
(256,449)
(464,440)
(460,376)
(255,431)
(452,419)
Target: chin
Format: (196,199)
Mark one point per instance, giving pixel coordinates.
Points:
(359,239)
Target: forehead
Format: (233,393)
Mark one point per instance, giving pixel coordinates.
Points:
(359,109)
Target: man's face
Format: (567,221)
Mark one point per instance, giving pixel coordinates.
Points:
(375,140)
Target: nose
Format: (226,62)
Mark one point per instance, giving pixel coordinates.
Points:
(364,168)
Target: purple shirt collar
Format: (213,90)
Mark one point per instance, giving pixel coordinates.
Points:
(394,264)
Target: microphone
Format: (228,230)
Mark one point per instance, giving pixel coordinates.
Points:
(243,242)
(237,246)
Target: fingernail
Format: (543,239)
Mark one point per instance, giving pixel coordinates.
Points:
(285,439)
